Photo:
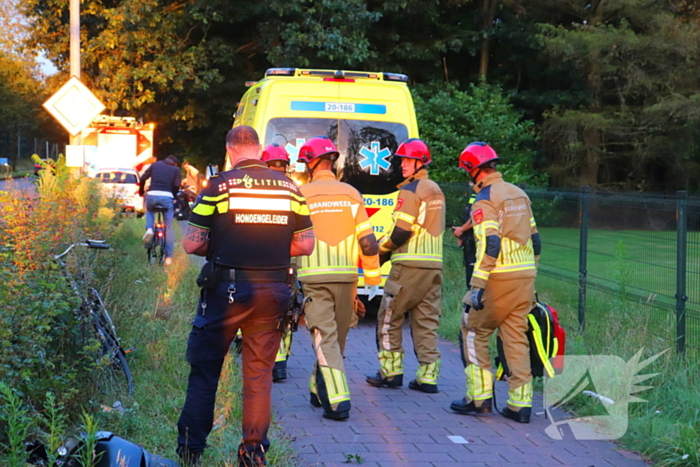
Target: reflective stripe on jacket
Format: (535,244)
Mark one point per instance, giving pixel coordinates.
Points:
(507,242)
(420,209)
(340,222)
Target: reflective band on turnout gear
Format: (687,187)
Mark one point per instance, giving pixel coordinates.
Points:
(285,347)
(336,385)
(479,383)
(391,363)
(428,374)
(520,397)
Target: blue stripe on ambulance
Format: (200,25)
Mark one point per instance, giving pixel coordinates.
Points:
(321,107)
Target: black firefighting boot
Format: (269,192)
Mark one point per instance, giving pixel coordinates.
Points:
(252,455)
(339,414)
(521,416)
(313,399)
(378,381)
(469,408)
(279,371)
(423,387)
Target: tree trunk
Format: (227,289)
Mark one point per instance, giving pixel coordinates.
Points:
(488,10)
(592,137)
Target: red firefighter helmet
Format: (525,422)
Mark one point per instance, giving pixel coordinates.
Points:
(475,155)
(274,152)
(318,146)
(414,148)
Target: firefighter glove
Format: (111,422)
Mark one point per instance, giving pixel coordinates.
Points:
(371,291)
(477,298)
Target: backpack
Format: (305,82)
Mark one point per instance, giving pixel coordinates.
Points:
(547,344)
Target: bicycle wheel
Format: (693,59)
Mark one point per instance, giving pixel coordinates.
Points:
(151,251)
(117,375)
(114,378)
(160,245)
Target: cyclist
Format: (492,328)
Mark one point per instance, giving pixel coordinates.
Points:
(165,179)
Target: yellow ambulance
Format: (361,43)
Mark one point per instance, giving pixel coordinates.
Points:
(366,114)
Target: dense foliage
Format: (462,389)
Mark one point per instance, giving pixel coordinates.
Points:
(449,119)
(610,85)
(44,340)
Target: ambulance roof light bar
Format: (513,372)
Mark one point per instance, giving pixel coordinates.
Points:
(337,75)
(280,72)
(395,77)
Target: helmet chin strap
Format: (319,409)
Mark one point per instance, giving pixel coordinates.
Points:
(310,170)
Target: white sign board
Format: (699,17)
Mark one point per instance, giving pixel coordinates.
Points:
(74,106)
(75,156)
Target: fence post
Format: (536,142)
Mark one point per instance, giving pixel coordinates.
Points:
(681,267)
(583,256)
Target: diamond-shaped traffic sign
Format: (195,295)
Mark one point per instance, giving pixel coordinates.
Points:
(74,106)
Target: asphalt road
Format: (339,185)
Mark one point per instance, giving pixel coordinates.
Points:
(24,185)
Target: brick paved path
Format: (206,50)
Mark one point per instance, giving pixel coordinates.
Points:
(392,427)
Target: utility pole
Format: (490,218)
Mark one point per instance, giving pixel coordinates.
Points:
(75,50)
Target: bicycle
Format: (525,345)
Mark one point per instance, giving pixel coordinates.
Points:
(117,378)
(155,249)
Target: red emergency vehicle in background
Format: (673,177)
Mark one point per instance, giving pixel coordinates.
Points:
(117,142)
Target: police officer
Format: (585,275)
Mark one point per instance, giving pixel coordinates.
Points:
(277,159)
(248,222)
(465,239)
(329,276)
(502,287)
(414,285)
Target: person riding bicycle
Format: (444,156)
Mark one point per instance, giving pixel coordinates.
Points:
(165,179)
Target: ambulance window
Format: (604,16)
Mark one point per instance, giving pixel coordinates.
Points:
(365,148)
(366,151)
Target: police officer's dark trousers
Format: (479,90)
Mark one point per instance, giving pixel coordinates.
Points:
(254,307)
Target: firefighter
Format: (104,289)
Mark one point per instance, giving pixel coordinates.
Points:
(414,245)
(502,286)
(277,159)
(465,239)
(329,276)
(248,222)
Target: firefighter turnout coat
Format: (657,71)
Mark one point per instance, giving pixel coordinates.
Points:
(329,276)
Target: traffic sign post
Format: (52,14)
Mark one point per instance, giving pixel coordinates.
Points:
(74,106)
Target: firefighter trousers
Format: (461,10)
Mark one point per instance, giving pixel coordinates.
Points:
(327,313)
(506,306)
(285,348)
(256,309)
(416,293)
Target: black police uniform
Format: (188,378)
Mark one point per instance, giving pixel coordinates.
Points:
(252,214)
(468,241)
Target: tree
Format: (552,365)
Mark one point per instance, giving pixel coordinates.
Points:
(449,119)
(21,88)
(632,58)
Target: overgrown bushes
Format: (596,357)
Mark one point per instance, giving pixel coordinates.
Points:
(44,345)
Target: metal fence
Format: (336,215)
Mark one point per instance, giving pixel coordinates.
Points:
(640,250)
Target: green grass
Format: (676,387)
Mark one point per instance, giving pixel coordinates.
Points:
(152,310)
(642,259)
(665,429)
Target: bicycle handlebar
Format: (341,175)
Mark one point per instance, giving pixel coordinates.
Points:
(94,244)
